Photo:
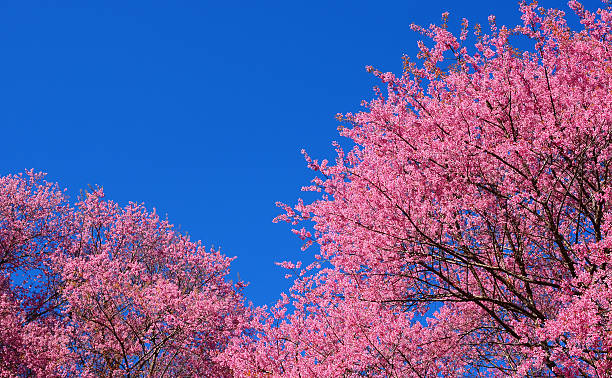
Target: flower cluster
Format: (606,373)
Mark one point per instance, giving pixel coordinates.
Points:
(468,232)
(99,290)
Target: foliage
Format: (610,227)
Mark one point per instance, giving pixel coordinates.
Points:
(478,194)
(99,290)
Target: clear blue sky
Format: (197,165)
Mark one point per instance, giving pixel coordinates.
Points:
(200,108)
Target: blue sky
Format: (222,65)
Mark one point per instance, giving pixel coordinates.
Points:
(200,108)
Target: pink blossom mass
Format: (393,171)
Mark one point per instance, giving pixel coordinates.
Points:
(110,291)
(475,196)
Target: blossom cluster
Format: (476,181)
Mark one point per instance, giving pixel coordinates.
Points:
(467,231)
(99,290)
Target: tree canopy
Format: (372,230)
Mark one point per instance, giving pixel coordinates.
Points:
(99,290)
(477,195)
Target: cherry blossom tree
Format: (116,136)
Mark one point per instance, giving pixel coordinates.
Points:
(99,290)
(468,231)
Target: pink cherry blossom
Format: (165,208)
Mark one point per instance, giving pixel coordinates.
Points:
(467,231)
(100,290)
